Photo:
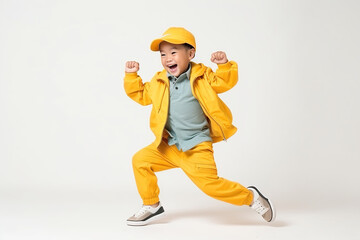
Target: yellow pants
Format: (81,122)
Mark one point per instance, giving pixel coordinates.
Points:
(197,163)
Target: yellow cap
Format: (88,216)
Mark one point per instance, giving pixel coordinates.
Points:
(174,35)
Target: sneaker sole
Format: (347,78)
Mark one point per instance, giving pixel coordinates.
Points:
(147,221)
(270,203)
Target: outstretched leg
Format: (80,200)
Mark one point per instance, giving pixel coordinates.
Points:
(200,166)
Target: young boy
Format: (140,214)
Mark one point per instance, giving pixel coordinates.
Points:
(187,117)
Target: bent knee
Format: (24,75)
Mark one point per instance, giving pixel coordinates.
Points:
(138,159)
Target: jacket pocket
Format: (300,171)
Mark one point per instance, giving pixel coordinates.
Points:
(207,169)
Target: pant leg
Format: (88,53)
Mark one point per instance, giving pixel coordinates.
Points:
(199,165)
(146,162)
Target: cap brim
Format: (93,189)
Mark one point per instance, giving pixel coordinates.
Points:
(156,43)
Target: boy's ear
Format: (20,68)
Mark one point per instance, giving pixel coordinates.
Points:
(191,53)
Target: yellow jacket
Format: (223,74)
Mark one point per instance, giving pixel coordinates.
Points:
(205,86)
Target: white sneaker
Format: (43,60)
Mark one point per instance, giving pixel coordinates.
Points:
(145,215)
(262,205)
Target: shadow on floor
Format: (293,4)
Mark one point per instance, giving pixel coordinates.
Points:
(228,216)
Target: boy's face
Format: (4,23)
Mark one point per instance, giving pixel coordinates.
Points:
(175,58)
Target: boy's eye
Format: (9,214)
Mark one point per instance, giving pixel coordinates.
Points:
(173,52)
(162,54)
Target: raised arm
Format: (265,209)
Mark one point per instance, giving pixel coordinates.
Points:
(226,76)
(134,86)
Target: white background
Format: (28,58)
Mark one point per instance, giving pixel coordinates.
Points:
(68,130)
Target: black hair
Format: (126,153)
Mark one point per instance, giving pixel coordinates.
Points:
(188,46)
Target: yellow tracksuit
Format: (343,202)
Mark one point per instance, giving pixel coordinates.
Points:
(198,162)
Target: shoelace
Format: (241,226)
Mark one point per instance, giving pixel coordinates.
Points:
(259,208)
(142,211)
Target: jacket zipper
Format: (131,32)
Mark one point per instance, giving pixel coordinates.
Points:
(162,99)
(207,114)
(167,111)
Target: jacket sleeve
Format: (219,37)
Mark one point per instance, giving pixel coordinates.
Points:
(225,77)
(136,89)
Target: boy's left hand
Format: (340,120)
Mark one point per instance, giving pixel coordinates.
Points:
(219,57)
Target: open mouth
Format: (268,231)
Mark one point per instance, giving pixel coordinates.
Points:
(173,67)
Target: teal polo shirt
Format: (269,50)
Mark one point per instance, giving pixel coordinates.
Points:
(186,124)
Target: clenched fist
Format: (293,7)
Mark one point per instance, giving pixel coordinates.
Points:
(219,57)
(131,67)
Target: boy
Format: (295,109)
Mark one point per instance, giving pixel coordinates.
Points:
(187,117)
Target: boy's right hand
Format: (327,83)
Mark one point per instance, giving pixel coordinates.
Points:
(131,67)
